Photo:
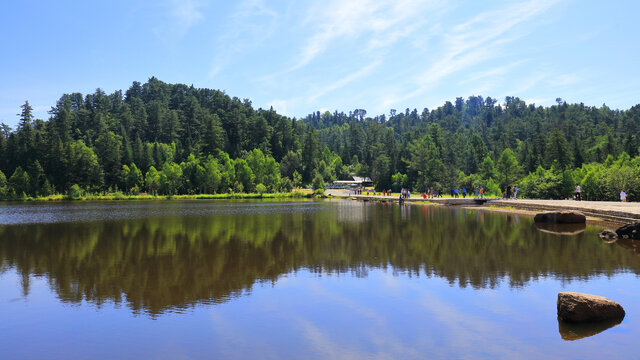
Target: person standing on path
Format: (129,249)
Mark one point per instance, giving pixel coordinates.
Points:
(623,196)
(515,192)
(481,193)
(508,192)
(578,194)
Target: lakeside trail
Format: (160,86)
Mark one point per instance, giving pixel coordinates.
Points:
(627,212)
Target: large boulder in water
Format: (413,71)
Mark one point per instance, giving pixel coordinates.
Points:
(630,231)
(560,217)
(578,307)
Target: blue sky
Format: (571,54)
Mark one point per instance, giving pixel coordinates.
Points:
(303,56)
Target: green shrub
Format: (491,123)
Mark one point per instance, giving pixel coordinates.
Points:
(318,182)
(75,192)
(261,189)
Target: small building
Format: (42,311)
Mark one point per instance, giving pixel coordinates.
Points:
(355,183)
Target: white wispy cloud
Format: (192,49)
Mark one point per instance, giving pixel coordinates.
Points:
(384,21)
(565,79)
(186,13)
(527,82)
(179,16)
(537,101)
(473,42)
(282,106)
(252,22)
(346,80)
(374,27)
(494,72)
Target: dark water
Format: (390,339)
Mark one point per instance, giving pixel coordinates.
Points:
(332,279)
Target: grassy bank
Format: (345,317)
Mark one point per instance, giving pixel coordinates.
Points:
(121,196)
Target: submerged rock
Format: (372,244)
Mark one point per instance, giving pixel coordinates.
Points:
(579,307)
(630,231)
(608,235)
(560,217)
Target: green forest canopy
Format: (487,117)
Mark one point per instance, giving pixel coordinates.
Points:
(177,139)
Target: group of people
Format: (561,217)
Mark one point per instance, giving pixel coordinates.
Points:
(511,192)
(453,192)
(405,193)
(432,193)
(362,191)
(456,192)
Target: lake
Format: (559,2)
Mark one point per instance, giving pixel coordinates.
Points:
(302,280)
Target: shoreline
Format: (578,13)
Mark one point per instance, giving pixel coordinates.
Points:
(595,211)
(147,197)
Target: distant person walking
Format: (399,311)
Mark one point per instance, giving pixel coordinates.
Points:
(464,193)
(578,192)
(515,192)
(481,193)
(623,196)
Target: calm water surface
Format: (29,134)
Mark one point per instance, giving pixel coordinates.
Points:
(330,279)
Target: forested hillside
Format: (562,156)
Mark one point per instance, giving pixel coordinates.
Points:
(176,139)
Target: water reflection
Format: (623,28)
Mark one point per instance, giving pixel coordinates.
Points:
(173,259)
(561,229)
(631,245)
(577,331)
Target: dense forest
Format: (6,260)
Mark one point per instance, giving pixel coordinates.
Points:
(164,138)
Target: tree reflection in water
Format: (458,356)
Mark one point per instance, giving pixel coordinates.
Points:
(166,262)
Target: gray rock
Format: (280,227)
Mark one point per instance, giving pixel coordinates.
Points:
(578,307)
(560,217)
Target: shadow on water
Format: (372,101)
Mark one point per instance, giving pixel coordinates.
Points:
(174,259)
(577,331)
